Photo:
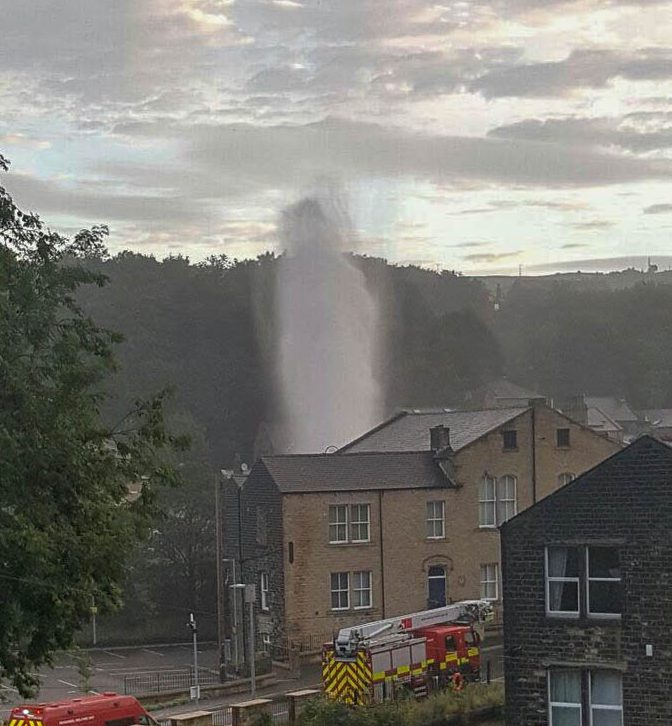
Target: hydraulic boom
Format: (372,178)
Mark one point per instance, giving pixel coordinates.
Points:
(349,640)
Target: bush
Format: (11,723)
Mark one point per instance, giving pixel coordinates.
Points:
(431,711)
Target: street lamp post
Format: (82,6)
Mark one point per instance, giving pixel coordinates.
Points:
(250,597)
(195,691)
(234,611)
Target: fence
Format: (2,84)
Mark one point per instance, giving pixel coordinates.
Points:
(223,717)
(162,681)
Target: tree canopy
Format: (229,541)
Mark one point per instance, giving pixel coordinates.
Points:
(68,520)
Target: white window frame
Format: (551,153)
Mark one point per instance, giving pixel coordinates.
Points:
(357,521)
(602,706)
(489,576)
(264,589)
(340,589)
(358,579)
(563,704)
(564,478)
(433,519)
(589,579)
(266,641)
(336,522)
(506,502)
(484,501)
(548,580)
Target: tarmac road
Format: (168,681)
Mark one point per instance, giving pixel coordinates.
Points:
(110,667)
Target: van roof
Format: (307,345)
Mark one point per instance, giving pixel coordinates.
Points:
(88,703)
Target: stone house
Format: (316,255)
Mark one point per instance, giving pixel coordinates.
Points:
(404,518)
(587,592)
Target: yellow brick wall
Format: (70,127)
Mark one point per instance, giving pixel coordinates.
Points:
(407,553)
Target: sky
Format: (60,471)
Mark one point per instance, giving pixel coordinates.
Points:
(486,136)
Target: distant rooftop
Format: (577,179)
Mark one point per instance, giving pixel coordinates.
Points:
(616,408)
(409,429)
(297,473)
(600,421)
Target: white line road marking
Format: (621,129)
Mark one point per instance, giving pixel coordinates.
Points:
(154,652)
(67,683)
(115,655)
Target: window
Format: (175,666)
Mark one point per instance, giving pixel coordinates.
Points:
(606,698)
(338,523)
(585,697)
(509,440)
(487,501)
(565,698)
(360,517)
(361,590)
(489,582)
(565,478)
(266,642)
(604,581)
(506,498)
(583,581)
(562,438)
(340,590)
(497,500)
(562,580)
(263,587)
(435,520)
(436,586)
(262,527)
(451,646)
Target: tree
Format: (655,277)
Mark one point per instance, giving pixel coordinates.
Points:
(67,521)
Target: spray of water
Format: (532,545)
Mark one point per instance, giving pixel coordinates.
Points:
(329,328)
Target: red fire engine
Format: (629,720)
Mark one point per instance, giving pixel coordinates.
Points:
(107,709)
(413,653)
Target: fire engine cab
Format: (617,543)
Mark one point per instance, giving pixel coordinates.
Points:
(414,653)
(107,709)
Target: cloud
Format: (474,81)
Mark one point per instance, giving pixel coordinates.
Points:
(573,245)
(488,257)
(589,132)
(601,264)
(292,154)
(658,209)
(593,224)
(583,68)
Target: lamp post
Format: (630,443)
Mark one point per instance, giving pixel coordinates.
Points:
(195,691)
(250,597)
(234,611)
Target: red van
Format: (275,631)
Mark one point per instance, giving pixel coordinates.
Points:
(106,709)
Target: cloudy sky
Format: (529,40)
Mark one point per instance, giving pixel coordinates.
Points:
(477,135)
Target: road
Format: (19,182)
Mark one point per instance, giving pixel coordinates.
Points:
(109,668)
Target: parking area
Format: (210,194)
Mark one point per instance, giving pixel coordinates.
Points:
(110,668)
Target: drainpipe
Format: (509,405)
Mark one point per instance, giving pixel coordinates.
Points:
(382,552)
(534,452)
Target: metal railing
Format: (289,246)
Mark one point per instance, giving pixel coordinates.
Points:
(162,681)
(223,717)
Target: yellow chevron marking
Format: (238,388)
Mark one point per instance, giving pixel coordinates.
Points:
(403,669)
(472,652)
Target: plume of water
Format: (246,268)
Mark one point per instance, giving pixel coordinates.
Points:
(329,331)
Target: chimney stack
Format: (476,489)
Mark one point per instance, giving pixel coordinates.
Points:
(439,439)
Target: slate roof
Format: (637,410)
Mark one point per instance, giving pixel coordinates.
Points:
(504,388)
(409,430)
(296,473)
(658,416)
(600,421)
(616,408)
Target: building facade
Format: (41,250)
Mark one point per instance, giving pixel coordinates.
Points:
(587,587)
(404,518)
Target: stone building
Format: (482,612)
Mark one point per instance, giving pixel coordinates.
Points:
(587,593)
(404,518)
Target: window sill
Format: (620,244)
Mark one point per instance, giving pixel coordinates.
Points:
(509,451)
(488,527)
(436,539)
(585,620)
(356,543)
